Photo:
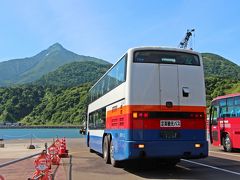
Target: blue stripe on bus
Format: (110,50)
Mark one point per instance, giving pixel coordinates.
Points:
(155,147)
(95,143)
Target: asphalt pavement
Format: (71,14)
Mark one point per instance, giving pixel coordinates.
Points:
(219,165)
(91,166)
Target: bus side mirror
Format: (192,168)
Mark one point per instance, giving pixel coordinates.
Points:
(82,131)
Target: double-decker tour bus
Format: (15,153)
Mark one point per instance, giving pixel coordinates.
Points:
(225,121)
(150,104)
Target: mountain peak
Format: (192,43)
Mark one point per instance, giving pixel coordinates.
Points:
(55,47)
(32,68)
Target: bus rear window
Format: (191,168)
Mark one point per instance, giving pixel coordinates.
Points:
(166,57)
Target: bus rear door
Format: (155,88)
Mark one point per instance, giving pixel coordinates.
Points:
(169,86)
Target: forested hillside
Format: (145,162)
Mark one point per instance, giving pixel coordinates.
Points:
(215,65)
(60,106)
(17,102)
(221,76)
(58,98)
(36,105)
(217,86)
(74,74)
(234,89)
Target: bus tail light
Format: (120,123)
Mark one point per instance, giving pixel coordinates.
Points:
(168,115)
(196,115)
(135,115)
(139,146)
(145,115)
(141,115)
(197,145)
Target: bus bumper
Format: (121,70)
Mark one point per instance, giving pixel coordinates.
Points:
(161,149)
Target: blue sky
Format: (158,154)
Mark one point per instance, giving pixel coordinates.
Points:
(107,28)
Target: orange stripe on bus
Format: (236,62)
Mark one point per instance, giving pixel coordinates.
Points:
(128,109)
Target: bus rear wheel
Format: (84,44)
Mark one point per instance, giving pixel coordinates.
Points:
(227,145)
(112,160)
(106,149)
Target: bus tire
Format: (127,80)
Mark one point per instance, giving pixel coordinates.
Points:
(227,144)
(91,150)
(106,149)
(88,140)
(88,144)
(112,160)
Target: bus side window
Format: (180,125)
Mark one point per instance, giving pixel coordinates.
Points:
(223,108)
(91,121)
(237,111)
(231,111)
(237,106)
(223,112)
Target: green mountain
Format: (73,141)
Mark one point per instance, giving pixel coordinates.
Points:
(215,65)
(20,71)
(234,89)
(60,97)
(18,102)
(60,106)
(221,76)
(36,105)
(74,74)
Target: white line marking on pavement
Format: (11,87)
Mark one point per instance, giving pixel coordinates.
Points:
(182,167)
(213,167)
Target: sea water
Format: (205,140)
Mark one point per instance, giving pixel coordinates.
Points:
(40,133)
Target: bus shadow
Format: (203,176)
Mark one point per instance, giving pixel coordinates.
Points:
(237,151)
(186,170)
(151,169)
(234,151)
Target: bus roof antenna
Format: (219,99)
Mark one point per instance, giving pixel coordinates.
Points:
(184,43)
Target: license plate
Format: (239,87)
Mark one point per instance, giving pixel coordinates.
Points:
(169,134)
(170,123)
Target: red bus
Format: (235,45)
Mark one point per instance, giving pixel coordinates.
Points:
(225,122)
